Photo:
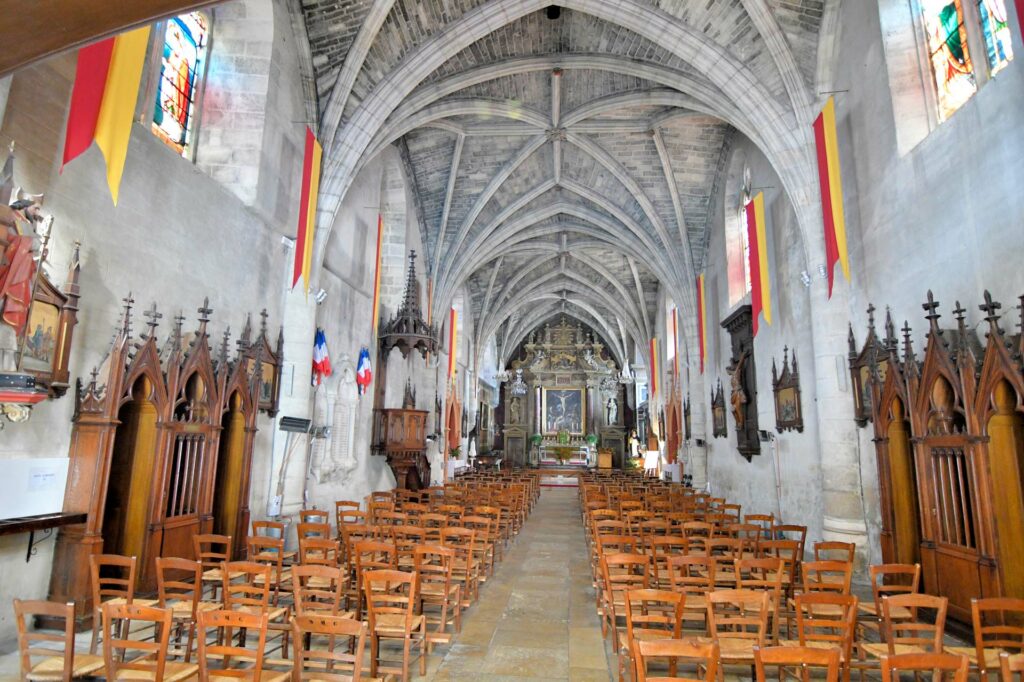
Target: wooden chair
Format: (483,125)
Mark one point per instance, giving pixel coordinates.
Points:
(466,567)
(319,590)
(650,615)
(705,655)
(763,574)
(112,578)
(323,663)
(406,538)
(766,521)
(997,630)
(798,658)
(139,659)
(179,588)
(935,663)
(738,622)
(483,549)
(221,660)
(912,635)
(369,555)
(825,620)
(391,600)
(51,664)
(887,580)
(249,592)
(692,576)
(270,551)
(212,550)
(621,573)
(661,549)
(434,566)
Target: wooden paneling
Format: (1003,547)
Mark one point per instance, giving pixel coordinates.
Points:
(58,25)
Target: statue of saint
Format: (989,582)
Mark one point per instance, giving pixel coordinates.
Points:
(436,459)
(17,267)
(613,411)
(516,411)
(738,398)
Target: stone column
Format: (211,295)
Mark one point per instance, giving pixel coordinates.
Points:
(695,459)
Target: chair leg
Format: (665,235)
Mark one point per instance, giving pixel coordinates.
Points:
(423,649)
(374,646)
(97,623)
(405,658)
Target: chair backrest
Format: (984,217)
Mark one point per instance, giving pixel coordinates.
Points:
(268,551)
(617,544)
(179,580)
(315,516)
(218,657)
(318,588)
(127,658)
(433,564)
(319,551)
(622,572)
(704,654)
(802,658)
(827,576)
(738,614)
(693,574)
(210,549)
(368,555)
(268,529)
(312,529)
(761,574)
(835,551)
(390,593)
(942,666)
(998,625)
(653,613)
(827,619)
(890,579)
(462,540)
(406,538)
(313,662)
(26,611)
(113,577)
(246,583)
(923,632)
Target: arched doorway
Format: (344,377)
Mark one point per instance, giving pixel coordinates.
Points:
(227,501)
(1006,462)
(131,473)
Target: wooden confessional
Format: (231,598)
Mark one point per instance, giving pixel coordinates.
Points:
(161,449)
(949,435)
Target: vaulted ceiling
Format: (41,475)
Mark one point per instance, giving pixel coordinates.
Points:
(563,160)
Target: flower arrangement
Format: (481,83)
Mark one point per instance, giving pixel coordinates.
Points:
(592,439)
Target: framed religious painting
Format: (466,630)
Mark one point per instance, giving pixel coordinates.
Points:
(564,409)
(870,359)
(46,343)
(269,370)
(786,386)
(718,423)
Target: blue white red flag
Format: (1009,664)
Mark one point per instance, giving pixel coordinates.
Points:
(321,359)
(364,373)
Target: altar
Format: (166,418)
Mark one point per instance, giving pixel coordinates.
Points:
(563,395)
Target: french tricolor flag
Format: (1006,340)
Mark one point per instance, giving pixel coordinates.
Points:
(364,375)
(321,359)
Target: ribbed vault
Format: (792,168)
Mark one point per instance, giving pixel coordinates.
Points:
(564,163)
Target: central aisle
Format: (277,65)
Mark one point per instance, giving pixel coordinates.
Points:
(536,617)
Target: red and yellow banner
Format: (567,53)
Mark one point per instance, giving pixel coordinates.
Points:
(453,322)
(103,100)
(701,322)
(760,285)
(654,367)
(307,211)
(375,311)
(675,343)
(831,184)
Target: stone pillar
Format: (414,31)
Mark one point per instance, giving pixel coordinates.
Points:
(837,438)
(695,459)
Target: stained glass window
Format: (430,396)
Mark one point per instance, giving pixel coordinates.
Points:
(181,66)
(997,33)
(948,53)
